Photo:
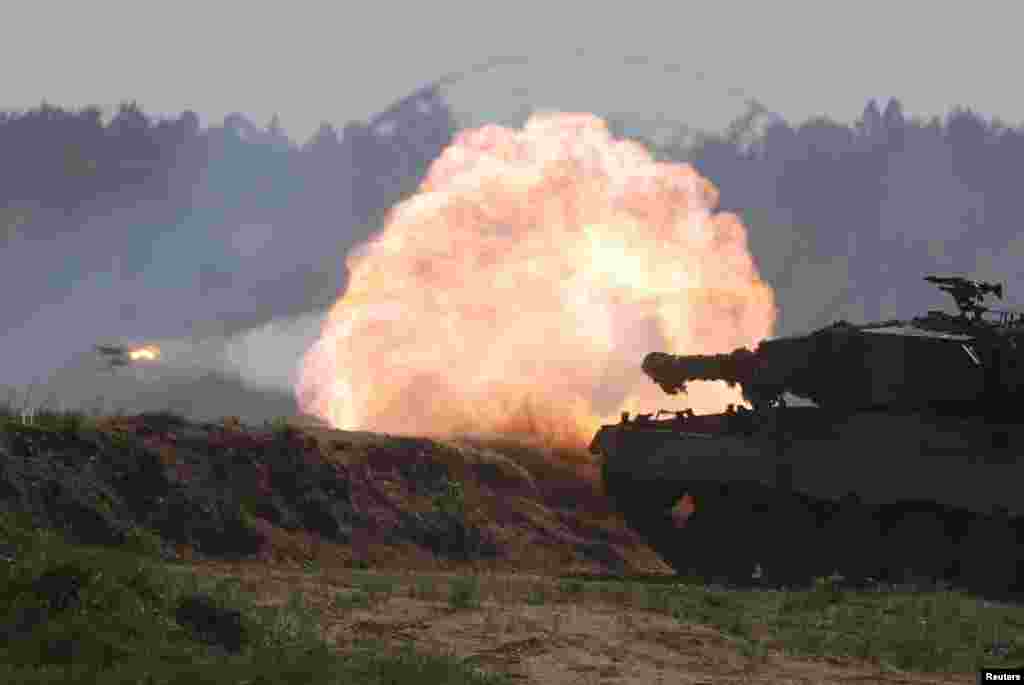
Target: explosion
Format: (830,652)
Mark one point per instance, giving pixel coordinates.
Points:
(147,353)
(518,290)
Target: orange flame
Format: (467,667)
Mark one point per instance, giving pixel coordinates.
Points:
(147,353)
(518,291)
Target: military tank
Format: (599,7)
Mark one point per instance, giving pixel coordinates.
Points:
(903,464)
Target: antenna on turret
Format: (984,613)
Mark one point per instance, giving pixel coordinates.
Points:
(968,294)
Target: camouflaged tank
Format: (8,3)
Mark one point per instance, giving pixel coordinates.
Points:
(906,464)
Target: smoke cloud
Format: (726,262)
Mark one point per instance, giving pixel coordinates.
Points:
(268,357)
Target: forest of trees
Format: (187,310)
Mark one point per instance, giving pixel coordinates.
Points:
(164,200)
(56,164)
(869,207)
(845,220)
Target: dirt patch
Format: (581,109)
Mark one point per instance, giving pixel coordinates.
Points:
(594,640)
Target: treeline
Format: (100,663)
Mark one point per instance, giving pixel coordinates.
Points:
(58,165)
(844,219)
(229,225)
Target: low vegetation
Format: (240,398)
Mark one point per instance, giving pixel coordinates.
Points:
(928,630)
(74,613)
(91,594)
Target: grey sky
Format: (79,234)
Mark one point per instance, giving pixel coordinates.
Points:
(310,61)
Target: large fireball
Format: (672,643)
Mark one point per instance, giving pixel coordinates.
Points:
(518,291)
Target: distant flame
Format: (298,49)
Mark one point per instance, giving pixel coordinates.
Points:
(147,353)
(518,291)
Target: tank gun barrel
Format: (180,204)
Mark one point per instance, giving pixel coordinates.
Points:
(672,372)
(764,374)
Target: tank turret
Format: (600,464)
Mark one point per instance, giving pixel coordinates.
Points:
(911,436)
(963,363)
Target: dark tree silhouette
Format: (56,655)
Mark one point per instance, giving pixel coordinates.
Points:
(842,218)
(145,188)
(870,123)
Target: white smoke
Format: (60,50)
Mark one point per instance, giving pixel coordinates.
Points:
(268,357)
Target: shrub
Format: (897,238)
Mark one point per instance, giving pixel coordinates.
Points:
(464,593)
(452,501)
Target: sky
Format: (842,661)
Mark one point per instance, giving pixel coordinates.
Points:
(228,56)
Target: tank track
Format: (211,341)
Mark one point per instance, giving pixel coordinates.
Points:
(753,535)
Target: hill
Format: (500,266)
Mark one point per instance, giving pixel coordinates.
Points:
(295,491)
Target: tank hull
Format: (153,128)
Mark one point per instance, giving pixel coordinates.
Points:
(882,458)
(820,492)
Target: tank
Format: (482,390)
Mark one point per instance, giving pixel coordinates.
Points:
(902,461)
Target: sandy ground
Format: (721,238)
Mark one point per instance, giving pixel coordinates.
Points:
(593,641)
